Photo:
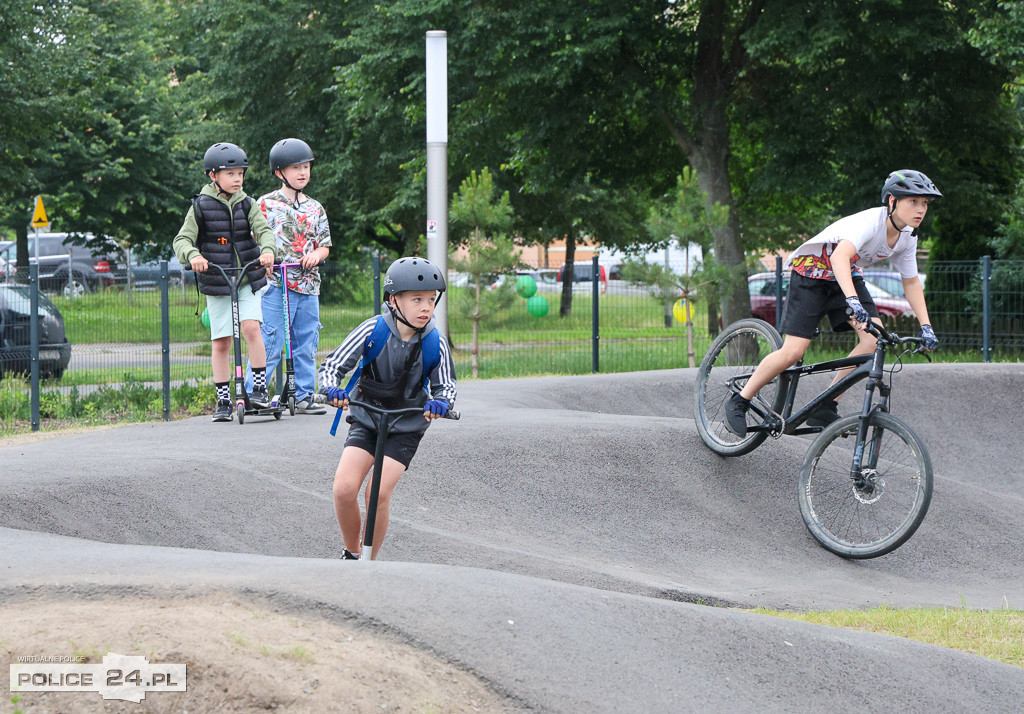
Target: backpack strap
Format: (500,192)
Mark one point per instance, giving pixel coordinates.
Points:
(374,344)
(431,355)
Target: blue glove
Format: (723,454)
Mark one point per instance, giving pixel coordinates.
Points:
(336,393)
(436,406)
(927,335)
(859,314)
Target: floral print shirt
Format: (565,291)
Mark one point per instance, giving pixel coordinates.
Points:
(299,229)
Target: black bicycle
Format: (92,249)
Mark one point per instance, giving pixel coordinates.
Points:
(866,481)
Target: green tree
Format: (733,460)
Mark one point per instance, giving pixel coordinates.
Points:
(109,161)
(681,216)
(490,253)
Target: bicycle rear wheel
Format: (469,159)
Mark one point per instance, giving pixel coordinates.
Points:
(738,350)
(879,512)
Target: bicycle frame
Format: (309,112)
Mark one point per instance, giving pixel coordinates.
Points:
(866,366)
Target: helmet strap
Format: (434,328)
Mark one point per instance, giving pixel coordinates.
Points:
(890,208)
(396,312)
(220,189)
(280,175)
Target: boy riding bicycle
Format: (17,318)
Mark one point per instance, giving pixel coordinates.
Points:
(826,280)
(393,379)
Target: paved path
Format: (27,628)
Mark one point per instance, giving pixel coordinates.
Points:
(563,541)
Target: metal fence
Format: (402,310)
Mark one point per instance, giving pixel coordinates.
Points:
(153,335)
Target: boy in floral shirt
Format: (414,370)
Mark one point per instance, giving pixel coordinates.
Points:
(303,236)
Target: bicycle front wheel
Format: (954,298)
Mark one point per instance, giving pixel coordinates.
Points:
(737,351)
(871,513)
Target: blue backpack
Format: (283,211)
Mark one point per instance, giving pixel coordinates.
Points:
(431,346)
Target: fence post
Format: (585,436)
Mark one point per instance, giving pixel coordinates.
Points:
(779,306)
(986,308)
(594,312)
(33,337)
(165,338)
(376,285)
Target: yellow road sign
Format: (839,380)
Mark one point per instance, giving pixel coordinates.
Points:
(39,219)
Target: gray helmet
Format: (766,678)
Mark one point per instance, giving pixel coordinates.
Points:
(224,156)
(289,152)
(413,274)
(908,183)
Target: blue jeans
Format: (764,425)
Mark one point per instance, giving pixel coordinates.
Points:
(304,316)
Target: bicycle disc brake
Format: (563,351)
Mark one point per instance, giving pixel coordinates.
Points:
(872,488)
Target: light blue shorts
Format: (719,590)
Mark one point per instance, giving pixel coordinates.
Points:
(250,307)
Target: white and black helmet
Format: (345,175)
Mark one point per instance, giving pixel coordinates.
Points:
(289,152)
(908,182)
(223,155)
(413,273)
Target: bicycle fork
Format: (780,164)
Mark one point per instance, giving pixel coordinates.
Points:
(863,470)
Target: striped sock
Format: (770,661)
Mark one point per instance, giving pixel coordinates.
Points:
(223,391)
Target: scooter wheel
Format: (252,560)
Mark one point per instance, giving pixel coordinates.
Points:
(277,415)
(291,406)
(240,413)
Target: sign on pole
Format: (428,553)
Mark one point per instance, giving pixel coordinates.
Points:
(39,219)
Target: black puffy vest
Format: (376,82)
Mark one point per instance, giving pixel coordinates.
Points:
(225,238)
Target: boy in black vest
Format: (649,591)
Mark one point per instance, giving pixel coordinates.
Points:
(222,233)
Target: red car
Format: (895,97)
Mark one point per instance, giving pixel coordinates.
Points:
(763,298)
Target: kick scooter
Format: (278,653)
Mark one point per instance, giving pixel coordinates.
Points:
(387,419)
(287,395)
(243,405)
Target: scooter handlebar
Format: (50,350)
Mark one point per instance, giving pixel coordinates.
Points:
(451,414)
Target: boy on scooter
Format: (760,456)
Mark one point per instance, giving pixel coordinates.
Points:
(393,379)
(219,228)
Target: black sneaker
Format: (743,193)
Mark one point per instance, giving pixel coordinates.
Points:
(259,398)
(223,412)
(824,414)
(347,555)
(736,415)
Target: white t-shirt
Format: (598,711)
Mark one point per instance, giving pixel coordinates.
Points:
(866,230)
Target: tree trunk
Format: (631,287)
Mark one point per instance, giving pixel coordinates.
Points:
(568,274)
(475,348)
(707,147)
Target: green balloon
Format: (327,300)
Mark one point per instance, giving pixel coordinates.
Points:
(537,306)
(526,286)
(206,317)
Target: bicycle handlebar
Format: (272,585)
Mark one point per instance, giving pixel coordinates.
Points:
(892,338)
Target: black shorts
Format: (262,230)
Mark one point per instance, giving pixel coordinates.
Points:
(400,447)
(809,299)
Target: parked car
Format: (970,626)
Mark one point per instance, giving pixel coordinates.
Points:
(66,267)
(763,298)
(889,280)
(147,273)
(583,272)
(15,345)
(546,279)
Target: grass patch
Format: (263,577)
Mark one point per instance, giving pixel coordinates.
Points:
(995,634)
(128,401)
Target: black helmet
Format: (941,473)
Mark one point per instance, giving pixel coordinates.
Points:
(224,156)
(413,274)
(289,152)
(908,183)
